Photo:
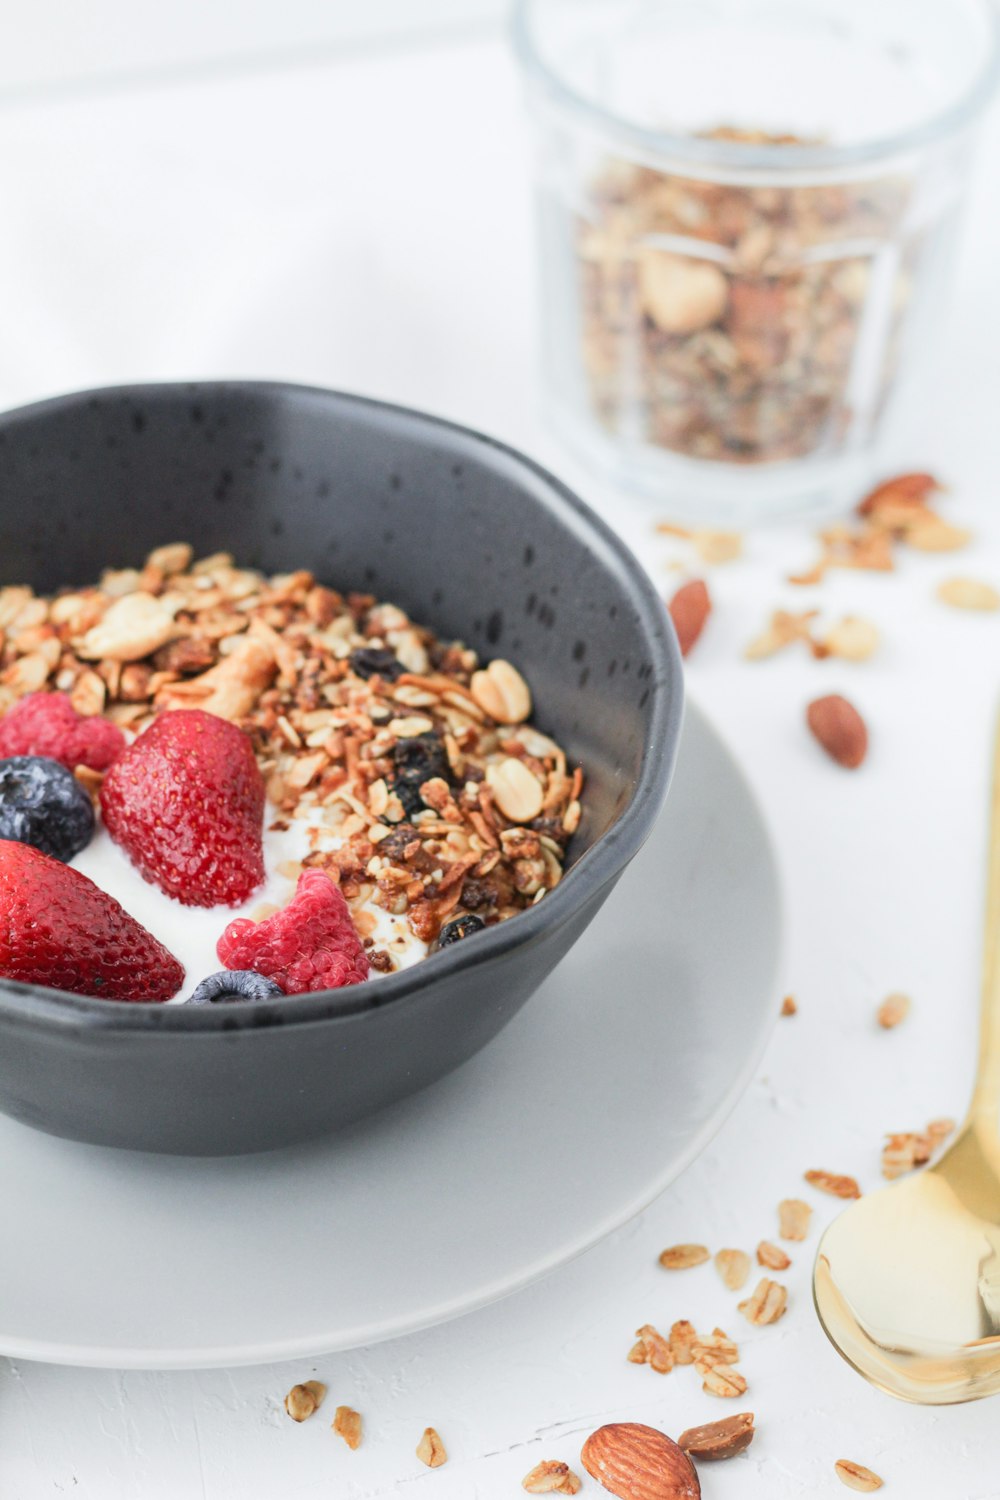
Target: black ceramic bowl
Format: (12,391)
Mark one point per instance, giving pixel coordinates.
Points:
(472,539)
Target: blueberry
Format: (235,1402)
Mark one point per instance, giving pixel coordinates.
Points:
(366,661)
(43,804)
(458,928)
(234,984)
(418,760)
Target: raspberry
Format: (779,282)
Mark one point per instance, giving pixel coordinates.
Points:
(59,929)
(310,945)
(47,724)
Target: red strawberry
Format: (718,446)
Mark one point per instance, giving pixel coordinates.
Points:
(59,929)
(48,724)
(186,803)
(310,945)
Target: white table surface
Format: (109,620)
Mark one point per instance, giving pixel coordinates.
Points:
(365,224)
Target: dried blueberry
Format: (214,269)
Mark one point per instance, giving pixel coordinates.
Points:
(458,928)
(234,984)
(43,804)
(369,661)
(418,760)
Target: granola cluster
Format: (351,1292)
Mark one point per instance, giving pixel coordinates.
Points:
(425,790)
(721,320)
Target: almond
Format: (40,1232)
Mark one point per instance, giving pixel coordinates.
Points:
(840,730)
(902,490)
(636,1462)
(689,609)
(719,1439)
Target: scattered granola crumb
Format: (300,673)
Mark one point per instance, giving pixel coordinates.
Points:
(302,1400)
(716,1440)
(835,1183)
(793,1218)
(734,1267)
(894,1008)
(907,1149)
(766,1304)
(551,1478)
(856,1476)
(853,639)
(430,1450)
(347,1424)
(681,1257)
(789,1006)
(968,593)
(782,630)
(652,1349)
(772,1256)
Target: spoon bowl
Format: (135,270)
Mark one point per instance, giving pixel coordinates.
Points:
(907,1280)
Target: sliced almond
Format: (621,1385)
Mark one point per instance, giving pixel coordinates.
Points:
(968,593)
(793,1218)
(856,1476)
(734,1267)
(682,1257)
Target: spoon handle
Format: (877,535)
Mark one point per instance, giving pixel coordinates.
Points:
(986,1093)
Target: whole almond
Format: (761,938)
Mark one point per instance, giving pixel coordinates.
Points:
(636,1462)
(689,609)
(840,730)
(719,1439)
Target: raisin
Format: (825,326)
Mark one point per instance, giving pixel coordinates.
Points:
(371,661)
(417,760)
(476,893)
(400,844)
(460,927)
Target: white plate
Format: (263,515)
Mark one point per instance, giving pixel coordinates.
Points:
(596,1096)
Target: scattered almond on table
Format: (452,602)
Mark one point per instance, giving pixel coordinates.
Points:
(302,1400)
(894,1009)
(716,1440)
(856,1476)
(636,1462)
(689,609)
(682,1257)
(551,1478)
(839,729)
(734,1268)
(835,1183)
(793,1218)
(347,1424)
(431,1450)
(895,512)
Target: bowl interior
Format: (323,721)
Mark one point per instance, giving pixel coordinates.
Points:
(462,533)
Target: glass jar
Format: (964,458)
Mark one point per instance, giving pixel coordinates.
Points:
(747,211)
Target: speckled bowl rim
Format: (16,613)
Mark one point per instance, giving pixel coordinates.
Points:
(586,877)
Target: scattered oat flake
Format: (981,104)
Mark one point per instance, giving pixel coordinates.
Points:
(714,547)
(782,630)
(856,1476)
(682,1340)
(793,1218)
(835,1183)
(681,1257)
(734,1267)
(723,1381)
(968,593)
(302,1400)
(789,1006)
(772,1256)
(853,639)
(894,1008)
(651,1349)
(716,1440)
(347,1424)
(766,1304)
(430,1450)
(711,1349)
(907,1149)
(929,533)
(551,1478)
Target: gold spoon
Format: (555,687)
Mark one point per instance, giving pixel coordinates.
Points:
(907,1280)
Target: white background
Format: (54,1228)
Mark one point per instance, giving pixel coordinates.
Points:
(364,223)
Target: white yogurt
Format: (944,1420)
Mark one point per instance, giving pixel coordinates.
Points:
(191,933)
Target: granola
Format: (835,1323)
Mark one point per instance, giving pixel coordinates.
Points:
(425,792)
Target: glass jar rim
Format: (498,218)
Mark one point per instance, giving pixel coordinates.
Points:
(731,154)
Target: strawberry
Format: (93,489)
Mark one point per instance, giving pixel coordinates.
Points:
(186,803)
(311,944)
(47,724)
(59,929)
